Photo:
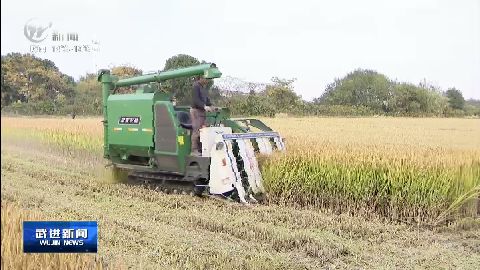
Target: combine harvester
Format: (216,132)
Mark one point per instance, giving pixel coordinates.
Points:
(146,134)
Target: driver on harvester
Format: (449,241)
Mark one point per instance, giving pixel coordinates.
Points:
(200,105)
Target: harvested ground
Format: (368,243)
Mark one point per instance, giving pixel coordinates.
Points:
(144,229)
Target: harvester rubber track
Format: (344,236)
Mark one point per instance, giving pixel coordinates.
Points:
(166,183)
(174,184)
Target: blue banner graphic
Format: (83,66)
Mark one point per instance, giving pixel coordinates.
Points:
(60,236)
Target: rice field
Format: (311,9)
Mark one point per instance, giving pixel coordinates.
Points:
(421,170)
(344,195)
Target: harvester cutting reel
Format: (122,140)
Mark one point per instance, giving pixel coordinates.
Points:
(234,170)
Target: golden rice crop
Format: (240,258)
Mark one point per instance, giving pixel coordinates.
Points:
(84,134)
(424,169)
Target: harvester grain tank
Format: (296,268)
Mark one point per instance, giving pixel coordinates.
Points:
(149,136)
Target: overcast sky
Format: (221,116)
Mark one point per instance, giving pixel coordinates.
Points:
(313,41)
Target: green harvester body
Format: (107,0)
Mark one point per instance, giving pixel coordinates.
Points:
(143,131)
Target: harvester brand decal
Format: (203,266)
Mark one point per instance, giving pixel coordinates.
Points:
(236,136)
(129,120)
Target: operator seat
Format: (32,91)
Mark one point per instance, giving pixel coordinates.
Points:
(184,119)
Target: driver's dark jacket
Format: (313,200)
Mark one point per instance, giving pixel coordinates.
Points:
(200,97)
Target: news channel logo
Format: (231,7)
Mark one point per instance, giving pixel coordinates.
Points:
(60,236)
(36,30)
(44,38)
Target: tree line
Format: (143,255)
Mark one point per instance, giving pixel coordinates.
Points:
(31,85)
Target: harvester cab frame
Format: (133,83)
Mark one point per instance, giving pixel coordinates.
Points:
(147,135)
